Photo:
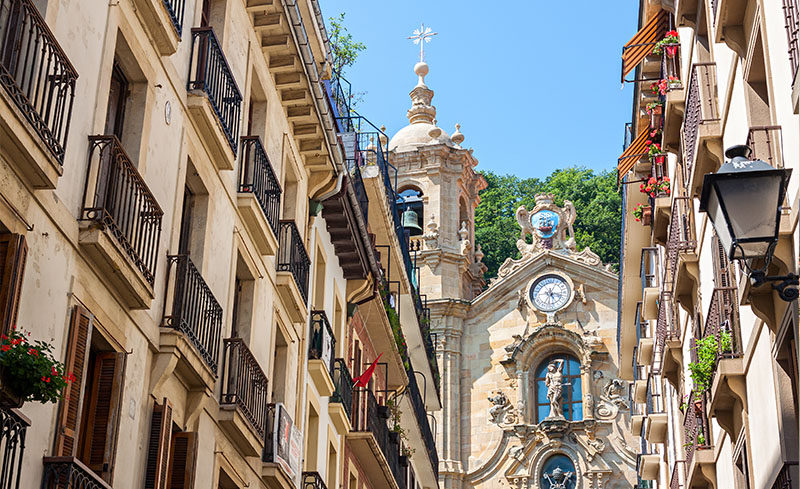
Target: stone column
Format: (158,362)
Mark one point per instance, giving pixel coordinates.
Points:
(448,442)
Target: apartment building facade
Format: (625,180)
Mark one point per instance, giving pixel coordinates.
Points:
(185,222)
(710,352)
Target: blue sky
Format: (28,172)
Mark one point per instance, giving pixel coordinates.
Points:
(534,84)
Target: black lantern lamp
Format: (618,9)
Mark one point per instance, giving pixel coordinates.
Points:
(743,199)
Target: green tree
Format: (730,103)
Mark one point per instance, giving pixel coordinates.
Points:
(344,49)
(597,202)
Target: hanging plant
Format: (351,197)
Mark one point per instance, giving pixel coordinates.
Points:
(669,44)
(29,371)
(642,213)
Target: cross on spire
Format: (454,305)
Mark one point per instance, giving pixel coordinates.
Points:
(421,36)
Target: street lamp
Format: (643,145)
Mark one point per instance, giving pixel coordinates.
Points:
(743,199)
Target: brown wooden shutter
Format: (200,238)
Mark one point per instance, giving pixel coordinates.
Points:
(183,460)
(69,414)
(13,252)
(102,418)
(158,450)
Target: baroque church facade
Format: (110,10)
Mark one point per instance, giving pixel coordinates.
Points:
(530,393)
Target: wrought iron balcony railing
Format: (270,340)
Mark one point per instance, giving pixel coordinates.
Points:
(256,176)
(322,342)
(677,478)
(36,73)
(292,256)
(671,61)
(655,396)
(195,311)
(722,320)
(245,384)
(13,429)
(119,200)
(69,473)
(175,11)
(422,419)
(312,480)
(766,144)
(784,478)
(210,73)
(681,237)
(696,432)
(667,328)
(791,13)
(343,386)
(701,108)
(366,418)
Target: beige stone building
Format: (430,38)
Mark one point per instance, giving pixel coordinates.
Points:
(711,352)
(182,220)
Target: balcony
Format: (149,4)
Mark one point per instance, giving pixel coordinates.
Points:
(13,428)
(637,412)
(674,99)
(164,21)
(259,197)
(371,444)
(320,353)
(784,478)
(282,447)
(702,128)
(678,475)
(36,105)
(69,473)
(648,465)
(421,416)
(668,355)
(193,327)
(214,99)
(639,386)
(340,405)
(293,266)
(766,144)
(243,399)
(312,480)
(700,465)
(649,275)
(683,270)
(646,343)
(728,392)
(729,20)
(120,222)
(656,428)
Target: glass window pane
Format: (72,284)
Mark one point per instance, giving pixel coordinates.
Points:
(557,472)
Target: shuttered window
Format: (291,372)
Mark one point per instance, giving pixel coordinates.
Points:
(171,457)
(13,253)
(183,458)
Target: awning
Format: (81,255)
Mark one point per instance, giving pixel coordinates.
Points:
(632,153)
(643,42)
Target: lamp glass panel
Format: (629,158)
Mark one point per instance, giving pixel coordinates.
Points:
(751,205)
(719,220)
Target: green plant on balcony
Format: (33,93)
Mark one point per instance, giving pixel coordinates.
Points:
(707,350)
(397,428)
(28,370)
(655,187)
(641,212)
(397,331)
(668,44)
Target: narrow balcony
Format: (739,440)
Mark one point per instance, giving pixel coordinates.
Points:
(36,105)
(421,416)
(13,428)
(164,21)
(69,473)
(120,222)
(193,327)
(648,465)
(645,344)
(639,379)
(668,354)
(370,441)
(312,480)
(766,144)
(702,129)
(293,267)
(320,353)
(673,98)
(683,269)
(281,463)
(656,429)
(638,414)
(785,477)
(243,399)
(678,476)
(729,21)
(700,466)
(214,99)
(649,270)
(340,405)
(259,197)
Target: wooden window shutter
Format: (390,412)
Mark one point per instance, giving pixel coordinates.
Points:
(183,460)
(13,253)
(102,418)
(69,414)
(158,449)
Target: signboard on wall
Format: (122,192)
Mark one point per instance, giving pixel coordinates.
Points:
(287,441)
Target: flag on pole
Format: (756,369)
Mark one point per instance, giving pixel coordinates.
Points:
(363,379)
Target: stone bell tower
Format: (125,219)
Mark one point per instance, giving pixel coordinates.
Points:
(437,182)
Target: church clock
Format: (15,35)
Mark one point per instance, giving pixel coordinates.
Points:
(550,293)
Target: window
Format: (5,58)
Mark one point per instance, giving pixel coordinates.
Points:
(312,439)
(741,470)
(558,472)
(118,94)
(172,453)
(243,301)
(13,253)
(127,105)
(572,402)
(279,366)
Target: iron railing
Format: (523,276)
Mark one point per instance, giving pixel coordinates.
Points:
(210,73)
(655,396)
(13,428)
(784,478)
(36,73)
(69,473)
(697,435)
(422,419)
(175,11)
(292,256)
(343,386)
(649,268)
(701,108)
(636,409)
(244,384)
(366,418)
(340,96)
(677,479)
(667,328)
(119,200)
(791,14)
(257,177)
(766,144)
(195,310)
(322,342)
(723,318)
(312,480)
(671,62)
(681,237)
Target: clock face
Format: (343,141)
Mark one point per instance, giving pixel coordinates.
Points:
(550,293)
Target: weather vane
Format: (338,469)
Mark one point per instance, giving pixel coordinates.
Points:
(421,36)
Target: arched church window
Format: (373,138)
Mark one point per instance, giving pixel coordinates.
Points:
(411,208)
(558,472)
(558,387)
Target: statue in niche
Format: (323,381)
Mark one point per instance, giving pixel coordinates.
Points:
(554,380)
(558,478)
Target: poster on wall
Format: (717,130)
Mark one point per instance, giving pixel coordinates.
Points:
(327,349)
(286,446)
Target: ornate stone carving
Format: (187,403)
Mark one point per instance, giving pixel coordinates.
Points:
(558,478)
(610,400)
(431,236)
(500,406)
(517,453)
(463,234)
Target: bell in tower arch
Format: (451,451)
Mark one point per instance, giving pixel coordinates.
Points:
(411,222)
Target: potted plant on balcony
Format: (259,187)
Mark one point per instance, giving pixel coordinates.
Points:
(28,371)
(708,349)
(668,45)
(655,152)
(673,82)
(655,187)
(643,213)
(655,109)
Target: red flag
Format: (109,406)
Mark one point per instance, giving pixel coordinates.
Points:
(363,379)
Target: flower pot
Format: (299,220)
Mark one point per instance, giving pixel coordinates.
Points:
(383,412)
(698,406)
(394,437)
(658,159)
(647,215)
(671,50)
(10,397)
(403,459)
(655,118)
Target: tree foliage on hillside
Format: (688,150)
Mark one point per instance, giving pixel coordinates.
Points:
(597,201)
